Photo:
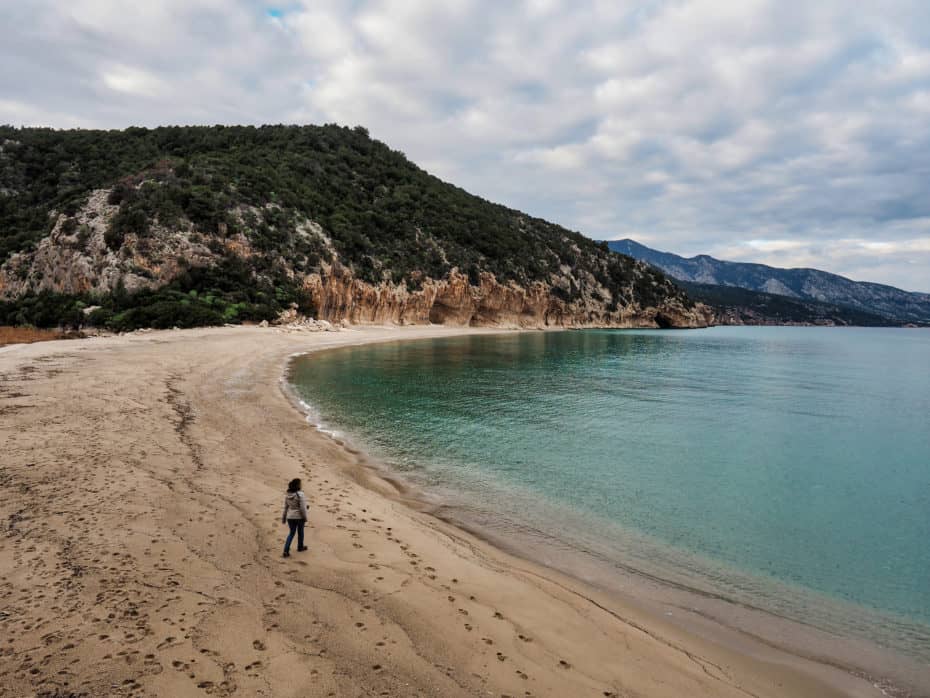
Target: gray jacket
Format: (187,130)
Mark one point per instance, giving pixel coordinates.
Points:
(295,506)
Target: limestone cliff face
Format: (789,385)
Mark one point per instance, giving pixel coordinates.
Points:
(338,295)
(75,258)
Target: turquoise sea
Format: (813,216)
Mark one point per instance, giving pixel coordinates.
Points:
(786,469)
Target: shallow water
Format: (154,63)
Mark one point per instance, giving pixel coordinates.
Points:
(783,468)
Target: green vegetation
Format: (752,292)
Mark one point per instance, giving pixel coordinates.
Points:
(386,218)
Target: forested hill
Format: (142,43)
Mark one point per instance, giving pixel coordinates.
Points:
(201,225)
(802,285)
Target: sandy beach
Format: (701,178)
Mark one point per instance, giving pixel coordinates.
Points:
(141,487)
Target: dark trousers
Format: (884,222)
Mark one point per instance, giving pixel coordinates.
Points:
(296,526)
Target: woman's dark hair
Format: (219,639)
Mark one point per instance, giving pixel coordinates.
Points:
(293,485)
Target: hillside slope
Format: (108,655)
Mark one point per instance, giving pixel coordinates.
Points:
(801,284)
(740,306)
(202,225)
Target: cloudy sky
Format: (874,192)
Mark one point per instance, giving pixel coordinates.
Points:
(794,133)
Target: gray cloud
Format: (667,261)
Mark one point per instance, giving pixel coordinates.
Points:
(784,132)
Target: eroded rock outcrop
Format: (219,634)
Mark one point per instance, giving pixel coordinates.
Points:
(338,295)
(74,258)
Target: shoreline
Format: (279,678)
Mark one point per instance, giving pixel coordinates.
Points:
(707,612)
(141,486)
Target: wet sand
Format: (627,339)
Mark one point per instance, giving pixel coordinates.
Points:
(141,485)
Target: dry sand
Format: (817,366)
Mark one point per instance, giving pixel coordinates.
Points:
(141,485)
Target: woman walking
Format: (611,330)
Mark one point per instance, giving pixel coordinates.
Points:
(295,516)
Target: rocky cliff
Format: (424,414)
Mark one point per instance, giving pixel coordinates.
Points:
(74,259)
(453,300)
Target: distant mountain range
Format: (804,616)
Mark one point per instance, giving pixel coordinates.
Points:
(811,289)
(732,305)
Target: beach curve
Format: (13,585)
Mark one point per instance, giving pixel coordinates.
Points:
(141,483)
